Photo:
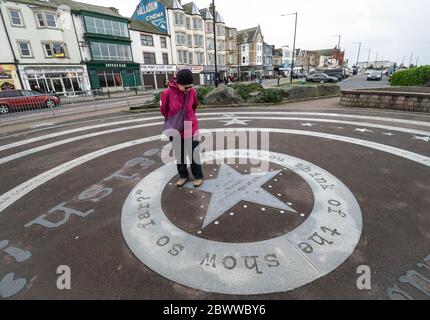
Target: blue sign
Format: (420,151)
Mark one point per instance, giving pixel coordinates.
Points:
(153,12)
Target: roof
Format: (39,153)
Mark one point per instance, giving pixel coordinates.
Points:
(144,26)
(250,33)
(75,6)
(206,14)
(324,52)
(172,4)
(191,9)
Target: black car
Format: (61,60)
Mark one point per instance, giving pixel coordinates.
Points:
(321,77)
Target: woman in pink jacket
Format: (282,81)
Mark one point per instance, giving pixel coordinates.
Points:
(181,94)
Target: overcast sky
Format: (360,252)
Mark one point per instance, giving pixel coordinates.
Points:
(393,29)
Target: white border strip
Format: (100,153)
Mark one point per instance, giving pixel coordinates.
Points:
(201,116)
(28,152)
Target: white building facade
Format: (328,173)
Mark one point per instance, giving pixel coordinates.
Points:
(9,78)
(45,45)
(152,49)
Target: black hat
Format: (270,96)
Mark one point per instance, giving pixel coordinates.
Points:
(184,77)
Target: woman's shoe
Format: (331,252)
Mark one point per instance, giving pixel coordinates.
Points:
(198,183)
(182,182)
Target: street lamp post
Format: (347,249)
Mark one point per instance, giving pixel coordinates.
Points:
(294,44)
(368,58)
(214,29)
(359,50)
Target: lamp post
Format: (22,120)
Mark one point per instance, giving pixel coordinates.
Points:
(214,29)
(359,50)
(368,58)
(294,44)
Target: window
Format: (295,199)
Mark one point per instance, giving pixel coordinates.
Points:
(188,23)
(163,42)
(200,58)
(181,39)
(24,49)
(165,58)
(110,51)
(147,40)
(149,58)
(46,20)
(209,27)
(198,41)
(183,57)
(109,79)
(210,43)
(197,24)
(179,19)
(190,58)
(16,18)
(190,41)
(211,59)
(55,49)
(106,27)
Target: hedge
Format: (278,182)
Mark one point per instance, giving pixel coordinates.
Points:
(411,77)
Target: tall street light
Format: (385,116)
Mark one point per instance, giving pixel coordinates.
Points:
(338,47)
(214,28)
(368,58)
(359,50)
(294,45)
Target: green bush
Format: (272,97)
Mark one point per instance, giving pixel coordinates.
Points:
(411,77)
(270,96)
(202,91)
(244,90)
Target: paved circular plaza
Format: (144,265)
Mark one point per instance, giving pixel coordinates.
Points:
(309,201)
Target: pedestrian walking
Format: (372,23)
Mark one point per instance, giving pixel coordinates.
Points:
(178,105)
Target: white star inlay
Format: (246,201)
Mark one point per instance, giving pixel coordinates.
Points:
(231,187)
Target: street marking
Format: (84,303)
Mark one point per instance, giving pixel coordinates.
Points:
(57,134)
(96,134)
(8,198)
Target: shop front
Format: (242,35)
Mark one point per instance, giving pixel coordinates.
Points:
(209,74)
(9,79)
(251,73)
(111,76)
(154,76)
(61,80)
(197,73)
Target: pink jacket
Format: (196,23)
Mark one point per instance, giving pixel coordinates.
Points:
(172,100)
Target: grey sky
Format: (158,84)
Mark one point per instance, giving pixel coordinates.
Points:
(393,29)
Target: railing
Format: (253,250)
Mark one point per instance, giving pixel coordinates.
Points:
(52,105)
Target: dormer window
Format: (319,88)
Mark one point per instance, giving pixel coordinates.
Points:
(46,20)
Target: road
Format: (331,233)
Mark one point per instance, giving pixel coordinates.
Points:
(338,188)
(360,82)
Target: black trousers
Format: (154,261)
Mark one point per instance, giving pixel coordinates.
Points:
(181,153)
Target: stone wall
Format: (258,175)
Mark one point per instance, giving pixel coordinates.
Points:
(380,99)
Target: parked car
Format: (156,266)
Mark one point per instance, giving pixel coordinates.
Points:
(321,77)
(25,100)
(338,73)
(375,75)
